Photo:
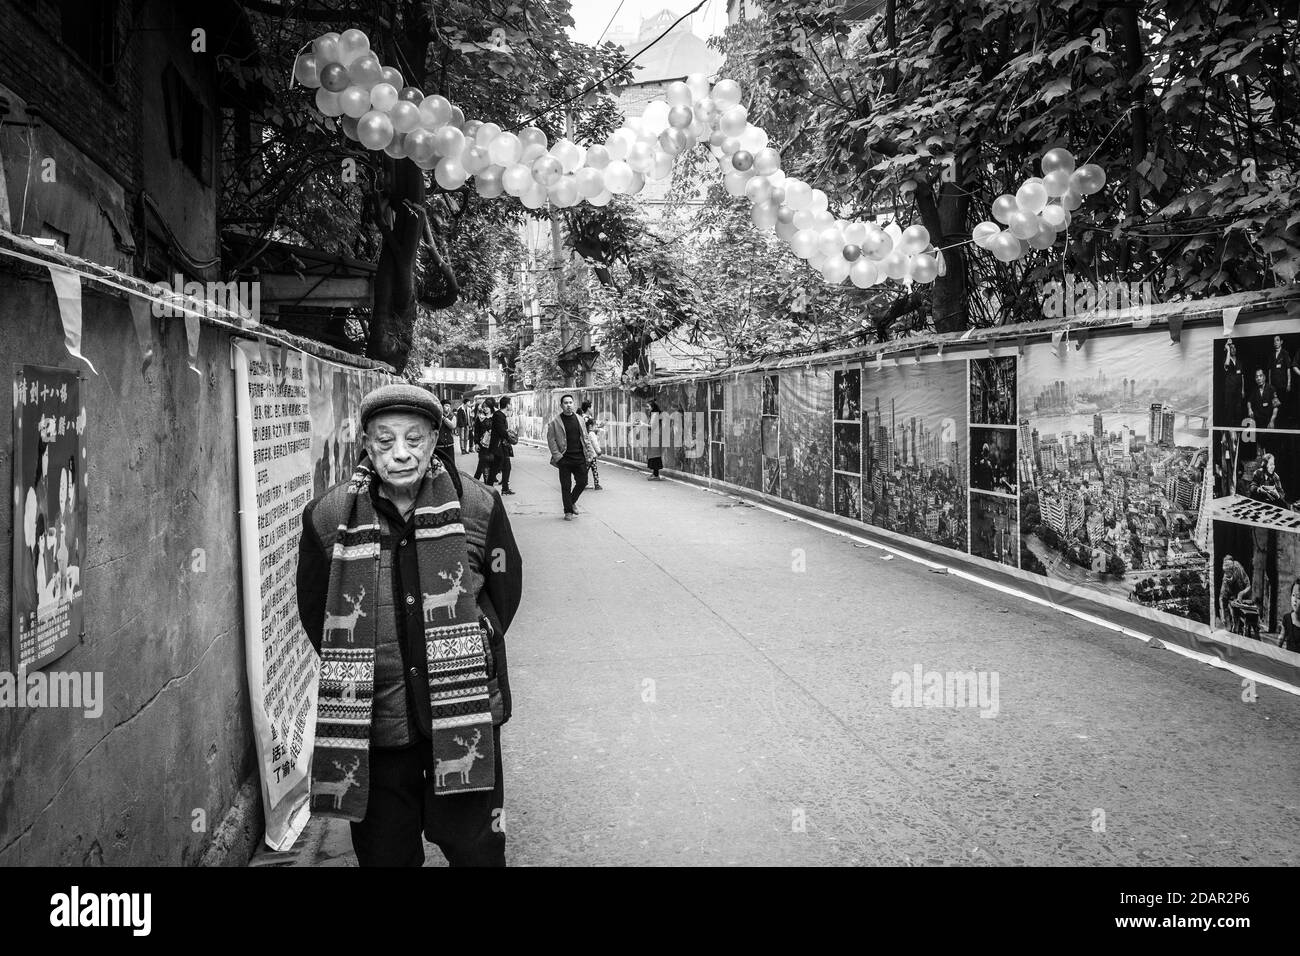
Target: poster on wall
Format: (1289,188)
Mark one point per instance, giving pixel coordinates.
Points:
(847,434)
(297,433)
(805,438)
(914,451)
(1256,487)
(1114,446)
(49,541)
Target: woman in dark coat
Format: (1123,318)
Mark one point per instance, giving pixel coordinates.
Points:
(1234,386)
(483,440)
(654,452)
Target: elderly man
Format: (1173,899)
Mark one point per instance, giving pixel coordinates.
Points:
(406,586)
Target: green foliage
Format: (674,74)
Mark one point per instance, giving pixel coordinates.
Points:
(1191,113)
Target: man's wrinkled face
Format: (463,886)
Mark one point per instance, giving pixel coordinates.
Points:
(400,446)
(1259,377)
(566,405)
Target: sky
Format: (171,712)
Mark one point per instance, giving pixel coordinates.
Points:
(591,16)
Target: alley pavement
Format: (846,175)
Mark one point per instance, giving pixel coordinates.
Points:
(686,694)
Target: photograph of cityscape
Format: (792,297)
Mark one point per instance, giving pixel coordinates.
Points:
(914,455)
(1114,475)
(806,436)
(848,496)
(994,532)
(993,391)
(848,394)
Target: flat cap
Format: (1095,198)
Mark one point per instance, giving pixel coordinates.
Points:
(400,397)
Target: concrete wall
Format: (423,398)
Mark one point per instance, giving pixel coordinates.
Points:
(175,733)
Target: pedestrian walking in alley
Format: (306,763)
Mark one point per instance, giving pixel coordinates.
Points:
(420,573)
(446,447)
(462,426)
(483,440)
(654,450)
(593,437)
(503,441)
(566,437)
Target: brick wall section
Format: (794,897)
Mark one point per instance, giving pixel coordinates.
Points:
(100,121)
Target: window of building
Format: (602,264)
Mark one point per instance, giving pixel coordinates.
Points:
(89,28)
(189,130)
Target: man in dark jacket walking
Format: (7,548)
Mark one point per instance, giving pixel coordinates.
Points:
(462,427)
(503,448)
(420,574)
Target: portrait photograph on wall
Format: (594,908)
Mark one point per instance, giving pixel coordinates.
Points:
(1257,478)
(1257,583)
(848,447)
(1116,462)
(1257,377)
(993,391)
(51,484)
(993,460)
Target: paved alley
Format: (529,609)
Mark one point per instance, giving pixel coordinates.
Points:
(682,696)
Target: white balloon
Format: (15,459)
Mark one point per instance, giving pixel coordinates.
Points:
(517,179)
(383,96)
(662,168)
(505,149)
(535,198)
(830,240)
(726,93)
(863,273)
(655,117)
(601,198)
(598,157)
(835,269)
(984,232)
(618,176)
(855,233)
(564,193)
(819,201)
(450,174)
(753,138)
(798,194)
(589,181)
(679,94)
(735,181)
(698,84)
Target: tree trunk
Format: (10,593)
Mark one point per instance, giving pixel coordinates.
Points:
(1133,62)
(946,221)
(393,316)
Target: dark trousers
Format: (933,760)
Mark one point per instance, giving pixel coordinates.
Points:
(469,828)
(485,467)
(502,470)
(464,440)
(573,479)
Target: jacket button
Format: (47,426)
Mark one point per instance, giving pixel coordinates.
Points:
(410,599)
(414,673)
(402,543)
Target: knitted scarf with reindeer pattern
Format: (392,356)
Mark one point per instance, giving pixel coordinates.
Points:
(455,651)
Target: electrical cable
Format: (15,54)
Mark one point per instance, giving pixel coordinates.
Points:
(623,66)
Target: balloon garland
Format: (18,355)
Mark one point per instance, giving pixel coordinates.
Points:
(377,109)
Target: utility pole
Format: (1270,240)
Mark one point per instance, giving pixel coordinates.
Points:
(557,261)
